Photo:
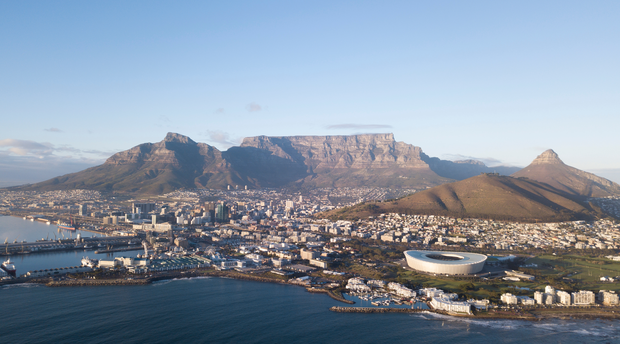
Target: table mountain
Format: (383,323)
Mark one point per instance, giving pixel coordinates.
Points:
(262,161)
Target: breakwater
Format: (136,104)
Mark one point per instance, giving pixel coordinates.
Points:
(97,283)
(333,294)
(340,309)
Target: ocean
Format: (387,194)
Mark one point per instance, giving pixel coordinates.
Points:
(220,310)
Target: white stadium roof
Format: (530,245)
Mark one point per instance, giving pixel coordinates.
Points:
(442,262)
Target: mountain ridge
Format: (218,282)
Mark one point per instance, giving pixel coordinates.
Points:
(178,162)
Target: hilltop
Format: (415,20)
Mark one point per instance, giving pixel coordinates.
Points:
(487,196)
(548,168)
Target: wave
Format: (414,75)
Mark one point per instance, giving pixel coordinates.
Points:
(21,285)
(590,328)
(166,281)
(585,328)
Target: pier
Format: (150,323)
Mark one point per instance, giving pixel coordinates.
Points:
(122,249)
(41,246)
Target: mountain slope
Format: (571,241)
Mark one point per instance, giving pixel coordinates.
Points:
(548,168)
(374,160)
(483,196)
(176,162)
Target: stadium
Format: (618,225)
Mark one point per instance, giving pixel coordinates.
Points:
(447,263)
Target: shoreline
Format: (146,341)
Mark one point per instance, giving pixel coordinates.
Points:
(607,314)
(529,315)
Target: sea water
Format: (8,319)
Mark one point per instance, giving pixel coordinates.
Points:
(219,310)
(15,227)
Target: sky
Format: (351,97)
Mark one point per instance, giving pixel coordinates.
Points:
(497,81)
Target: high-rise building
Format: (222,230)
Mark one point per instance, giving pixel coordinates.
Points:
(221,213)
(145,208)
(83,210)
(290,206)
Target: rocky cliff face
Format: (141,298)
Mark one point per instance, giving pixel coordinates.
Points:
(330,152)
(292,161)
(547,157)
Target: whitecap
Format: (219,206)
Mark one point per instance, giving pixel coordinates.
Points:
(21,285)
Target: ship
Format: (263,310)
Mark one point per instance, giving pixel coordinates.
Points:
(67,226)
(93,263)
(9,267)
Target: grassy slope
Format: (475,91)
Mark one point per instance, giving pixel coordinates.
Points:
(484,196)
(568,179)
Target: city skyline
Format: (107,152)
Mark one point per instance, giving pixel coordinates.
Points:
(499,83)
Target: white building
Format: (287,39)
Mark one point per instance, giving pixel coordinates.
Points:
(401,290)
(563,297)
(357,285)
(583,297)
(608,298)
(539,297)
(509,299)
(450,306)
(526,301)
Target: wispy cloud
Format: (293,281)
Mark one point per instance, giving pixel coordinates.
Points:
(24,147)
(221,137)
(252,107)
(358,126)
(13,147)
(17,170)
(100,153)
(54,130)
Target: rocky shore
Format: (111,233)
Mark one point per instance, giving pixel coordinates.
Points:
(339,309)
(96,283)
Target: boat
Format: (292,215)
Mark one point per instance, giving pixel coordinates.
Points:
(89,262)
(66,226)
(9,267)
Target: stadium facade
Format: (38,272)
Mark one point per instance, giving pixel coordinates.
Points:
(447,263)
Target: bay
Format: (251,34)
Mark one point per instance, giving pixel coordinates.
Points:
(15,227)
(218,310)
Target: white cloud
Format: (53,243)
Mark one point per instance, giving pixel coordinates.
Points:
(54,130)
(252,107)
(24,147)
(221,137)
(13,147)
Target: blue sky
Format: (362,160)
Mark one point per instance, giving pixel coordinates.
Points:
(494,80)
